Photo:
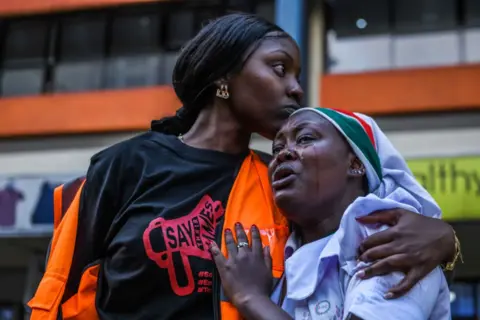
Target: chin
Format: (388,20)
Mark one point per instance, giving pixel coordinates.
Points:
(287,201)
(270,130)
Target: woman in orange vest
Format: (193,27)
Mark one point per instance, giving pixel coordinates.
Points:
(132,241)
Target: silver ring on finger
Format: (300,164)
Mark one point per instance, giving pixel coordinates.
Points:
(242,244)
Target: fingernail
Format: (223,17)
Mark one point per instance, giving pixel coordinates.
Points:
(361,274)
(228,231)
(238,224)
(254,227)
(389,295)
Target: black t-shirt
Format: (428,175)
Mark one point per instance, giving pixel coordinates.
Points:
(149,209)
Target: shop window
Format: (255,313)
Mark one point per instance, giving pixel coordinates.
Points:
(204,3)
(169,61)
(78,76)
(241,5)
(353,17)
(134,71)
(472,13)
(136,33)
(266,10)
(203,16)
(10,311)
(25,42)
(82,37)
(180,29)
(21,82)
(425,15)
(462,297)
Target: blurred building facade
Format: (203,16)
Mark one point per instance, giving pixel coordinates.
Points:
(77,76)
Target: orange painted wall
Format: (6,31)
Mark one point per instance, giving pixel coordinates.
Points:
(15,7)
(102,111)
(404,91)
(375,93)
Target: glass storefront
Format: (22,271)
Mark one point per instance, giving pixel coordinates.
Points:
(464,297)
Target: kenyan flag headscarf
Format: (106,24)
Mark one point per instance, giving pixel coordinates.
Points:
(387,171)
(359,135)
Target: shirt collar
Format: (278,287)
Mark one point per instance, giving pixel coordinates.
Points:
(304,269)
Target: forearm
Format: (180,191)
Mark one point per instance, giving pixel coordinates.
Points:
(262,308)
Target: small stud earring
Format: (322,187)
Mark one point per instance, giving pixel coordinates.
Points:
(356,171)
(222,92)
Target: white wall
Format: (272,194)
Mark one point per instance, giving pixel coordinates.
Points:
(59,155)
(383,52)
(71,155)
(421,143)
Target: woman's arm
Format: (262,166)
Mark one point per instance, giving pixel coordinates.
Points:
(98,206)
(414,243)
(262,308)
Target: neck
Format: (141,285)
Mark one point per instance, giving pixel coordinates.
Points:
(217,129)
(331,215)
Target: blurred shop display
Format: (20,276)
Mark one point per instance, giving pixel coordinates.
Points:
(106,48)
(465,301)
(10,312)
(26,203)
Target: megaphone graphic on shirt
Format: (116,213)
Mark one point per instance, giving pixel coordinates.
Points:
(188,236)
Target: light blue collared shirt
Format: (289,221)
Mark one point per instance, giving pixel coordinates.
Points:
(321,281)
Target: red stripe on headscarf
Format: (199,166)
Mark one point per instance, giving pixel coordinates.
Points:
(365,125)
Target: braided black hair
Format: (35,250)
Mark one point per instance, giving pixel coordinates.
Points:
(219,49)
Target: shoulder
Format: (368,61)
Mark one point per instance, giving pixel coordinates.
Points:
(127,157)
(127,149)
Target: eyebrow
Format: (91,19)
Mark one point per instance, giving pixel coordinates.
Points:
(302,125)
(284,52)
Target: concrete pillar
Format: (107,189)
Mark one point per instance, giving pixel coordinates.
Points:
(316,48)
(291,16)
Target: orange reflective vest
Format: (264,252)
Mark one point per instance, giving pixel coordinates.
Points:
(250,202)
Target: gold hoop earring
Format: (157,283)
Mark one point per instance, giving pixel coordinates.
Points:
(222,92)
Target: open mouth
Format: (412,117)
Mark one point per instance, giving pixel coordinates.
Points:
(282,176)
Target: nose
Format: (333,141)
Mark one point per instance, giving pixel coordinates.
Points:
(287,154)
(295,91)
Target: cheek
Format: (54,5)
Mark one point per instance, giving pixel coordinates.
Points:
(260,86)
(271,169)
(323,167)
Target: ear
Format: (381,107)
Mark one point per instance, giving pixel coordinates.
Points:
(356,168)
